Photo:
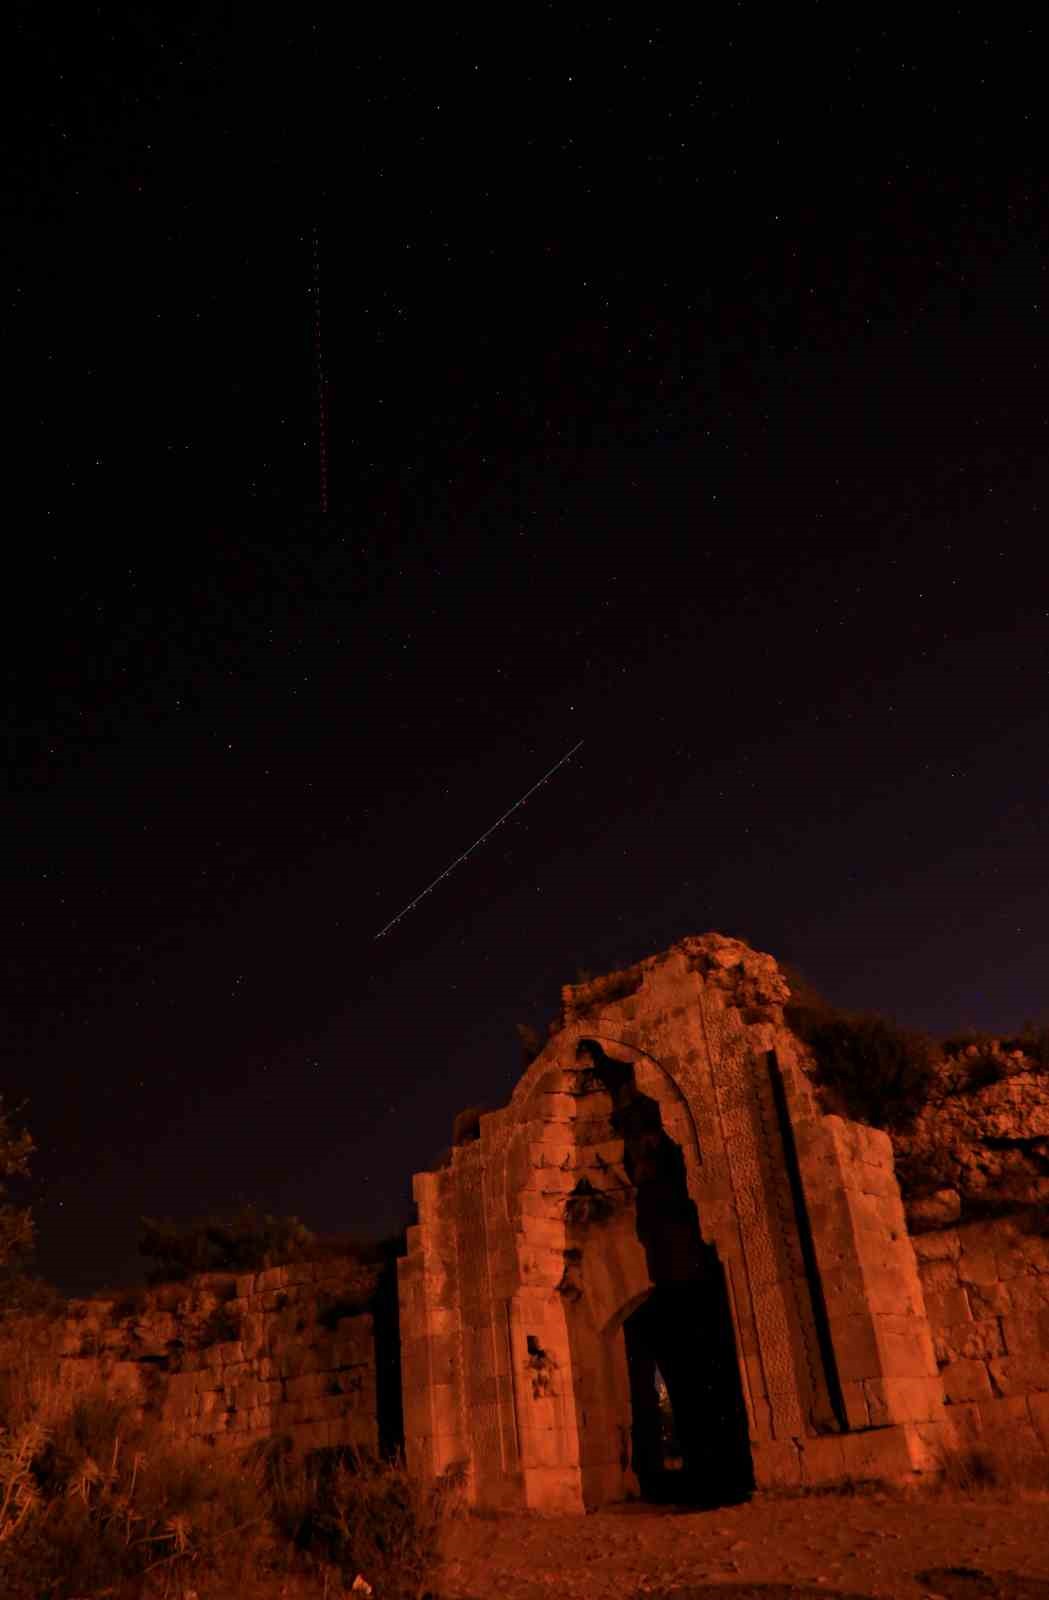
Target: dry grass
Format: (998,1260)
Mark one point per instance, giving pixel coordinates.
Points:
(992,1472)
(95,1501)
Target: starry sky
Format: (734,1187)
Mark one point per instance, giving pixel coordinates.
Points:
(685,396)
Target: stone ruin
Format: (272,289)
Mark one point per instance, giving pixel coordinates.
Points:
(661,1270)
(663,1219)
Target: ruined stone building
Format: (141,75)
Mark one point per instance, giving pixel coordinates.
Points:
(664,1210)
(662,1270)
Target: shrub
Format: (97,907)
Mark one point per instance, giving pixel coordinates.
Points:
(111,1501)
(870,1069)
(349,1510)
(247,1241)
(16,1222)
(93,1501)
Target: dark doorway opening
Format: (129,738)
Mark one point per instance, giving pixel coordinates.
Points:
(690,1444)
(689,1437)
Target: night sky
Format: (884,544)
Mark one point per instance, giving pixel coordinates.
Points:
(686,395)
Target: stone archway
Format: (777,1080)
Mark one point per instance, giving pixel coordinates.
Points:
(663,1159)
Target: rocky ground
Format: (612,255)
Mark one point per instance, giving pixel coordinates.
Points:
(769,1549)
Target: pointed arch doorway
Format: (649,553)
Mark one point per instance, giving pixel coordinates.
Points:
(689,1441)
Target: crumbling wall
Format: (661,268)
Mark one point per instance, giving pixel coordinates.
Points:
(986,1289)
(977,1146)
(229,1360)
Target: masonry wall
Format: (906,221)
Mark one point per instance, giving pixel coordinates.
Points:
(986,1290)
(226,1360)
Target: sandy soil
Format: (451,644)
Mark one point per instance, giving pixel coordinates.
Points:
(768,1549)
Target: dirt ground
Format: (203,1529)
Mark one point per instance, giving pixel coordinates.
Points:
(771,1548)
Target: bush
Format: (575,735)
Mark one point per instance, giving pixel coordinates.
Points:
(94,1502)
(870,1069)
(109,1502)
(346,1509)
(247,1241)
(17,1235)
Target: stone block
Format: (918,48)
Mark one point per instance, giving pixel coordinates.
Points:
(1035,1249)
(1026,1333)
(856,1348)
(1038,1406)
(1020,1375)
(444,1408)
(844,1290)
(549,1447)
(272,1278)
(965,1381)
(939,1275)
(907,1351)
(308,1384)
(894,1289)
(964,1417)
(903,1400)
(554,1490)
(979,1267)
(555,1107)
(941,1245)
(550,1153)
(854,1395)
(947,1307)
(929,1443)
(874,1180)
(866,1212)
(970,1341)
(1011,1264)
(989,1299)
(776,1463)
(535,1203)
(875,1147)
(542,1231)
(822,1460)
(1029,1293)
(878,1454)
(1004,1413)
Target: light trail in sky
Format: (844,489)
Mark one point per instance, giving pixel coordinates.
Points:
(477,842)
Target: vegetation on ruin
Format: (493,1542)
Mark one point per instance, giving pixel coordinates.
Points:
(20,1291)
(95,1501)
(875,1071)
(869,1068)
(246,1241)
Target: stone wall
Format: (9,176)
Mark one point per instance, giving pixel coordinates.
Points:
(230,1360)
(986,1289)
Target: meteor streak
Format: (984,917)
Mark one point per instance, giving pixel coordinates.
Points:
(486,835)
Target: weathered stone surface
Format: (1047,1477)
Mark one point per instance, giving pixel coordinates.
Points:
(168,1360)
(936,1210)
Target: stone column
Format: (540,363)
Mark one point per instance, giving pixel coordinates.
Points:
(882,1341)
(431,1362)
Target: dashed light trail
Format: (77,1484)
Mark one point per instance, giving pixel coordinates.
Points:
(477,842)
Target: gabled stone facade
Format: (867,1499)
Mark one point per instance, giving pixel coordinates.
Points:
(663,1202)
